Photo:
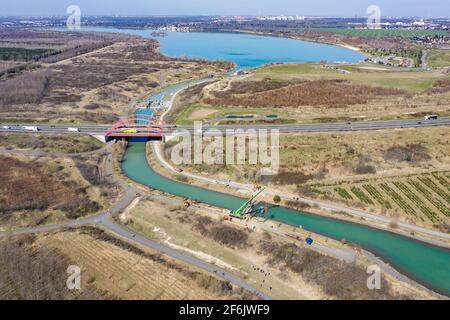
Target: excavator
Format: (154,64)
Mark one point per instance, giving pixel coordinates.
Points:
(247,208)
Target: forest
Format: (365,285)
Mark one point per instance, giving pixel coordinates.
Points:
(23,54)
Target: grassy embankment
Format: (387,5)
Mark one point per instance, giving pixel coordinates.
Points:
(50,143)
(400,173)
(52,186)
(281,267)
(438,58)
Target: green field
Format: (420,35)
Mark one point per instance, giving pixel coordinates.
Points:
(438,58)
(361,74)
(381,32)
(295,68)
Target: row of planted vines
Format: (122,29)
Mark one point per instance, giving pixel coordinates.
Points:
(423,197)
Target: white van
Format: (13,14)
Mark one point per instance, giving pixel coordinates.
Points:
(31,128)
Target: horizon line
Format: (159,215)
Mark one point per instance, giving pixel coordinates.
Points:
(219,15)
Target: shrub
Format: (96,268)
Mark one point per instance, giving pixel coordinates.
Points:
(91,173)
(362,168)
(328,93)
(294,178)
(218,231)
(297,204)
(408,153)
(229,236)
(27,88)
(276,198)
(336,278)
(79,208)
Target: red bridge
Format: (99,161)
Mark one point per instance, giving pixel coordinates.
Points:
(137,125)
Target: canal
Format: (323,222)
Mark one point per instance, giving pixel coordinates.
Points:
(423,262)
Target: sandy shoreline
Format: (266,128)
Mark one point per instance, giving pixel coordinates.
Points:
(300,38)
(349,47)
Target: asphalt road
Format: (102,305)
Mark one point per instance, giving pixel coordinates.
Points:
(95,129)
(289,196)
(104,220)
(341,126)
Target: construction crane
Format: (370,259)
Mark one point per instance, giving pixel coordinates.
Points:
(247,207)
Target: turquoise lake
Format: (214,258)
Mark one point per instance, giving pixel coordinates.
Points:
(245,50)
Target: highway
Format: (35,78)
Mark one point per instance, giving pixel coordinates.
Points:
(100,129)
(339,126)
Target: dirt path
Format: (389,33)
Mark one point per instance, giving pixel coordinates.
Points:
(327,206)
(104,220)
(424,59)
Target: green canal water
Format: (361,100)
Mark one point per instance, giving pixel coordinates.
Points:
(427,264)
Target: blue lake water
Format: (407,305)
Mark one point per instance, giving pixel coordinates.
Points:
(245,50)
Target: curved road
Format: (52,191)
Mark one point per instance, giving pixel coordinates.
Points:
(104,220)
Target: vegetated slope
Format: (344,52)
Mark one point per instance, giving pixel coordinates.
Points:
(50,142)
(26,186)
(337,279)
(321,92)
(401,173)
(284,267)
(26,88)
(33,272)
(438,58)
(29,185)
(109,266)
(329,93)
(91,82)
(421,198)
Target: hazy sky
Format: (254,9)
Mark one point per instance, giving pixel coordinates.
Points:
(426,8)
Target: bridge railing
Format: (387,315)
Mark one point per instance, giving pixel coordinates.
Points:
(142,124)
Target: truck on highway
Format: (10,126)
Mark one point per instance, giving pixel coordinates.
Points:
(431,117)
(73,129)
(6,127)
(31,128)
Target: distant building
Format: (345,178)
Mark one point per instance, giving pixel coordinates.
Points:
(420,23)
(241,73)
